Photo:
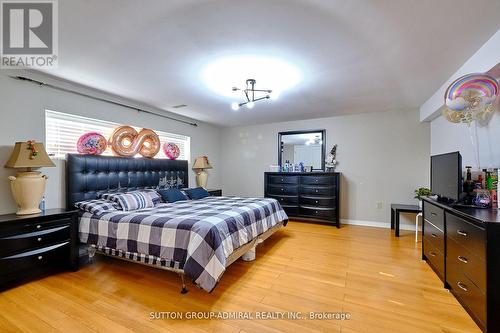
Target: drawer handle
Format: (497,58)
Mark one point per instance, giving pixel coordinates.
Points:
(434,235)
(463,259)
(282,189)
(39,239)
(316,180)
(434,214)
(40,257)
(281,179)
(38,226)
(462,286)
(316,190)
(433,254)
(461,233)
(316,212)
(316,201)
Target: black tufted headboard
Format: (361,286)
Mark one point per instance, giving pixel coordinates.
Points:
(88,175)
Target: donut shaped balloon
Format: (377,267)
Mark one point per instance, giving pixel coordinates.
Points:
(125,141)
(471,97)
(92,143)
(171,150)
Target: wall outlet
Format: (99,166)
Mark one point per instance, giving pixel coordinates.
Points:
(380,205)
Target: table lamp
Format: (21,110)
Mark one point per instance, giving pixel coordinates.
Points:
(28,186)
(200,165)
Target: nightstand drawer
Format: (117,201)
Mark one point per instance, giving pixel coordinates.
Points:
(35,259)
(32,225)
(22,242)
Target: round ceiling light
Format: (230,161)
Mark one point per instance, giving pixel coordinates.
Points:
(221,75)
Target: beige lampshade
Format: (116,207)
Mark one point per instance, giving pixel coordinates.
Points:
(21,157)
(202,162)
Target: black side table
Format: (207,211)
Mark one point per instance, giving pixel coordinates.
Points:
(215,192)
(396,209)
(34,245)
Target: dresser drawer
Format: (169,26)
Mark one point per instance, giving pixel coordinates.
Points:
(465,233)
(317,201)
(35,259)
(23,242)
(32,225)
(283,179)
(467,263)
(291,210)
(317,180)
(286,200)
(434,235)
(317,190)
(282,189)
(434,215)
(435,257)
(317,211)
(469,293)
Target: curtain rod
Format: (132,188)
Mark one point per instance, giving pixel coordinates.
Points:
(43,84)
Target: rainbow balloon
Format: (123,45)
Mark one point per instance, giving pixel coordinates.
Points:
(471,97)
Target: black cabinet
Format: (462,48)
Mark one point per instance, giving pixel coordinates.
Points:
(462,246)
(32,245)
(215,192)
(306,195)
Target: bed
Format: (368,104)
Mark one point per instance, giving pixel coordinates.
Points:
(196,238)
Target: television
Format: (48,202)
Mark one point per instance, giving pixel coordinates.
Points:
(446,176)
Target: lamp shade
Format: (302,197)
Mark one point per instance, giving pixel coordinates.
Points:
(202,162)
(22,156)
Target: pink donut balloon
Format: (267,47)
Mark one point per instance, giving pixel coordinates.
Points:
(91,143)
(171,150)
(125,141)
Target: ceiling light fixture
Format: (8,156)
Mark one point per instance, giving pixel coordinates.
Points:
(251,95)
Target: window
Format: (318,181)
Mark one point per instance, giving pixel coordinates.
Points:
(62,131)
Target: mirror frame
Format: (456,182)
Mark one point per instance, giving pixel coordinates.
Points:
(323,149)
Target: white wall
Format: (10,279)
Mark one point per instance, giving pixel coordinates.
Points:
(447,137)
(383,158)
(22,107)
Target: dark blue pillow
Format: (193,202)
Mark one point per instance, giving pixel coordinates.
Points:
(197,193)
(172,195)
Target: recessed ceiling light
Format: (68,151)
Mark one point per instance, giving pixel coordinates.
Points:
(221,75)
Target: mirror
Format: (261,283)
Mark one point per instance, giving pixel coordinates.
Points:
(307,147)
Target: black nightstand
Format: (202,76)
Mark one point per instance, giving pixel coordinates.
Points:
(215,192)
(35,245)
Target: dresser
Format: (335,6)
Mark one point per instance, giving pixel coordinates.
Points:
(462,245)
(306,195)
(34,245)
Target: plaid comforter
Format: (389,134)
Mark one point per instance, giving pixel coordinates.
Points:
(196,236)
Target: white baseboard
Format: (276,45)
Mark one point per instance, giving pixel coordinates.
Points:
(377,224)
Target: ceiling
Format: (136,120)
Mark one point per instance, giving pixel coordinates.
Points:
(354,56)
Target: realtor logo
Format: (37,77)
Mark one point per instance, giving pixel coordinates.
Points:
(29,34)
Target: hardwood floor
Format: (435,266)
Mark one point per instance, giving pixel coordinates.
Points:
(377,278)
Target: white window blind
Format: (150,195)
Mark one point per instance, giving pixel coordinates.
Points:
(62,131)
